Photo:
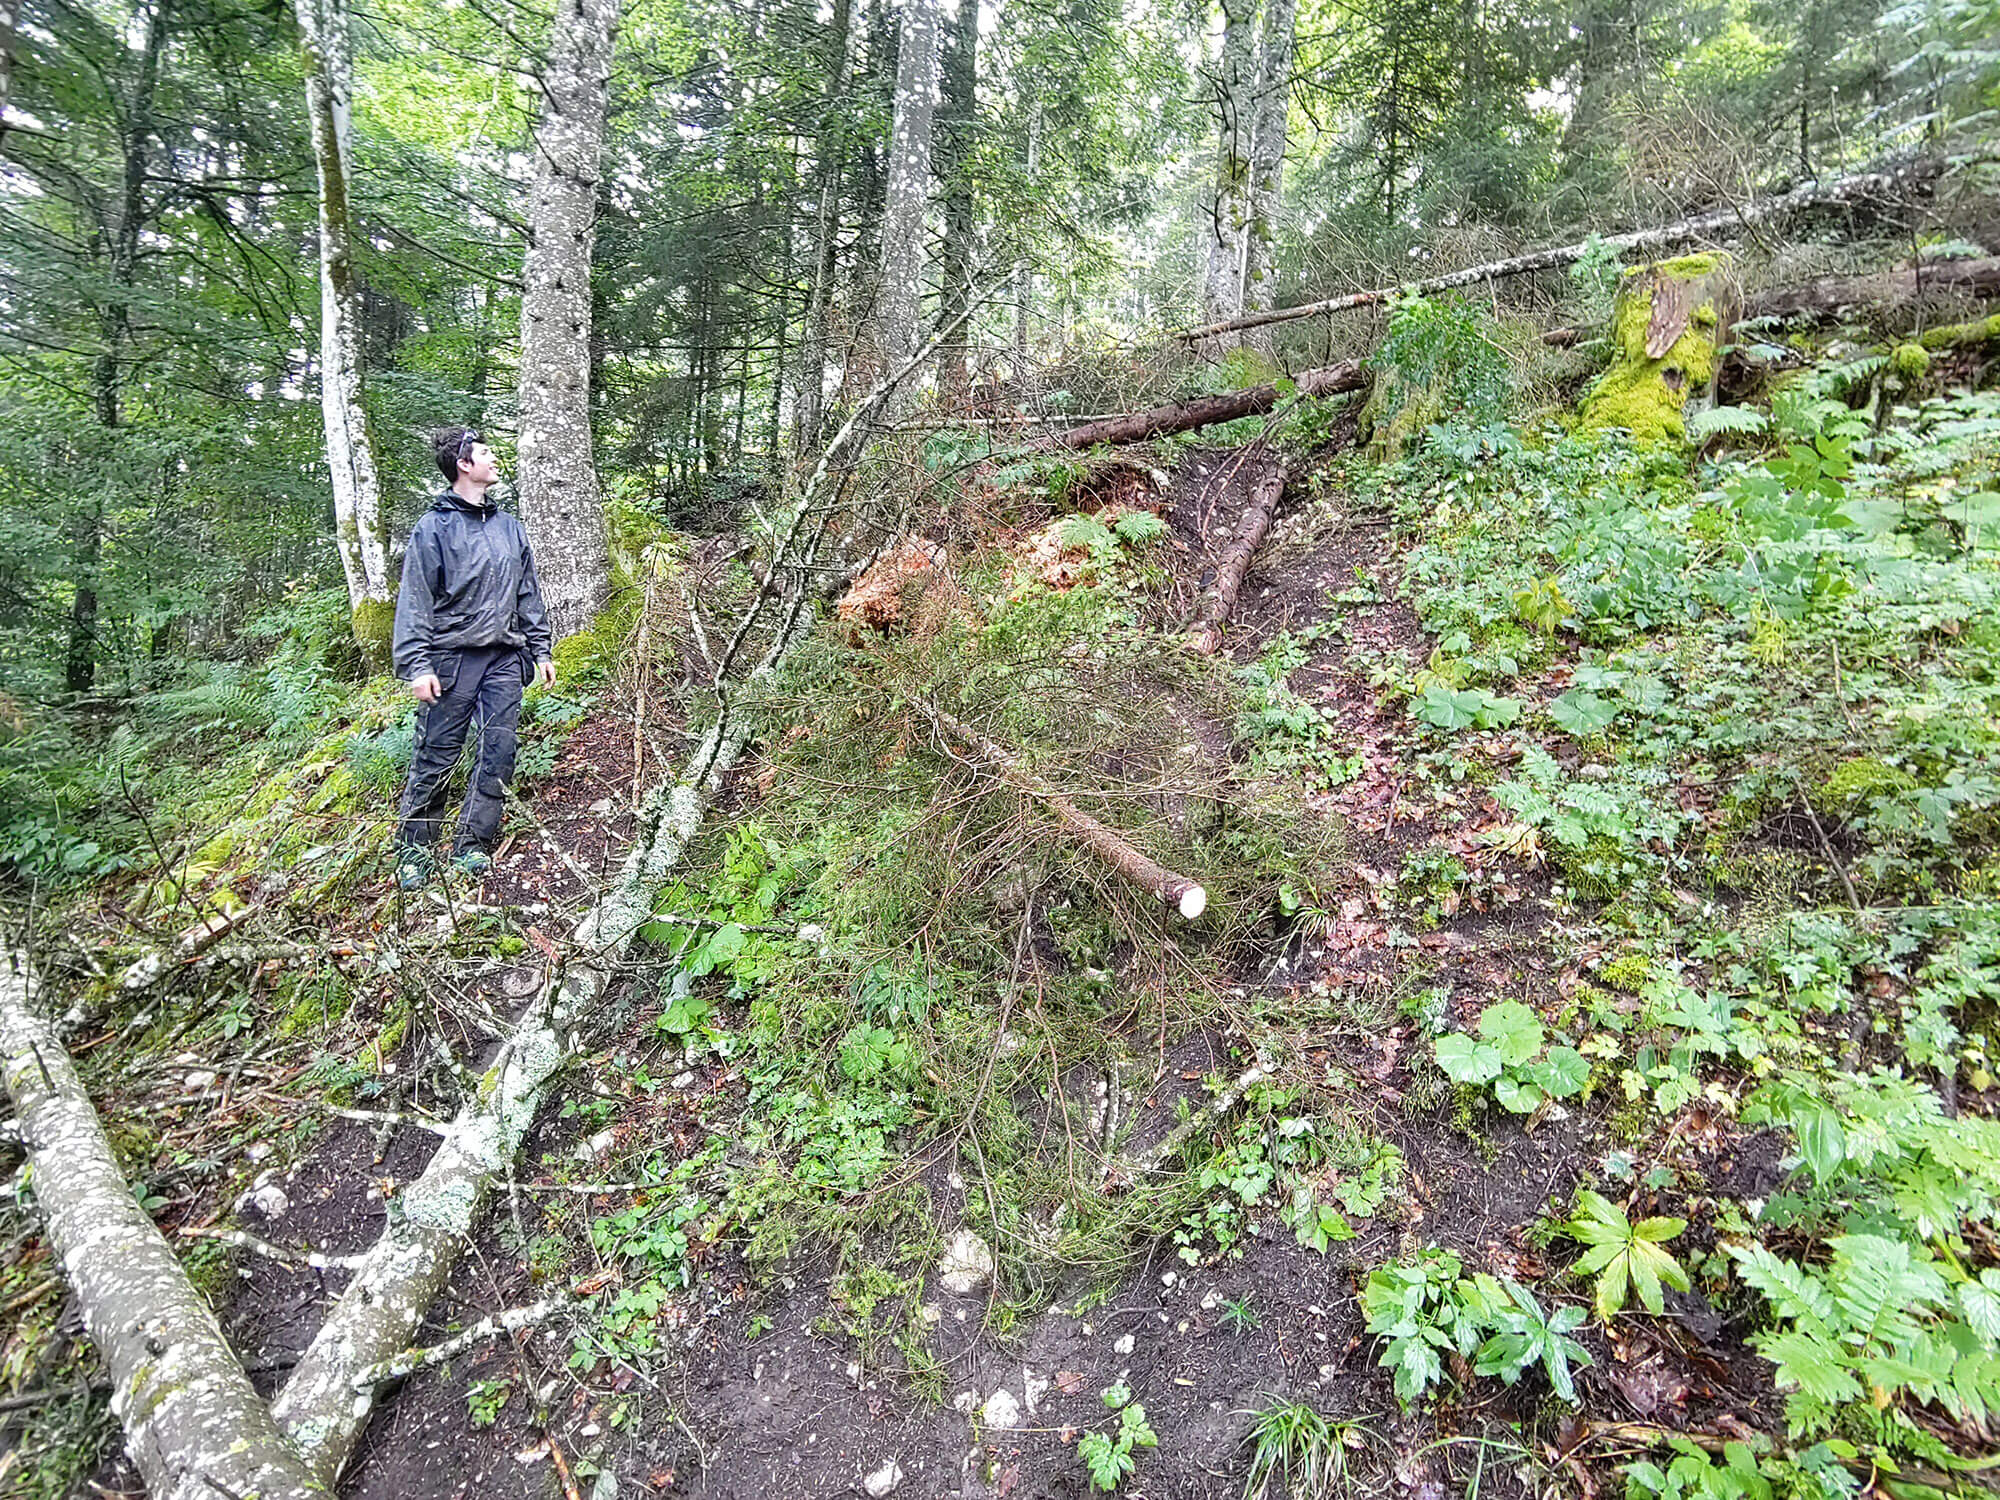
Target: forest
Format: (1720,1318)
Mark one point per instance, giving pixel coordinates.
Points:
(1257,750)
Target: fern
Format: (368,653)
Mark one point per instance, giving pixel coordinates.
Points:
(1736,421)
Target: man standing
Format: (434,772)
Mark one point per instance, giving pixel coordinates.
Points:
(471,630)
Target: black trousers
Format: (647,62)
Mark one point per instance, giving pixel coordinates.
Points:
(483,683)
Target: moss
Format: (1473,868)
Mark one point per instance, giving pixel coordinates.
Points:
(1910,362)
(1648,397)
(1629,971)
(317,1000)
(1853,784)
(374,623)
(1963,335)
(390,1037)
(1415,408)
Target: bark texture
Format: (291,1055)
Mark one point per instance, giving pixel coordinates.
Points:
(360,527)
(957,121)
(1888,187)
(1268,136)
(559,495)
(1265,492)
(1205,411)
(1229,210)
(909,183)
(1186,896)
(1831,296)
(193,1424)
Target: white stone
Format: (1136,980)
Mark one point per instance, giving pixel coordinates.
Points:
(1124,1344)
(269,1201)
(1211,1299)
(884,1480)
(966,1402)
(1001,1409)
(967,1263)
(1032,1386)
(199,1079)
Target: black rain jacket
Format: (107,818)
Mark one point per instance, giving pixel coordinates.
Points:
(468,580)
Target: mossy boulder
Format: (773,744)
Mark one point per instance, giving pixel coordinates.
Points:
(1667,327)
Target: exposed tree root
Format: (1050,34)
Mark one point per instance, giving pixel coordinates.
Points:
(1264,495)
(1178,891)
(193,1424)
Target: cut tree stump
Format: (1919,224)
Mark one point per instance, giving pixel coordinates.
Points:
(1666,327)
(1265,492)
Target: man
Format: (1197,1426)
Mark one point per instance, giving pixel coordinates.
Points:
(471,629)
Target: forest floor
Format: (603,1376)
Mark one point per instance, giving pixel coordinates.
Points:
(950,1158)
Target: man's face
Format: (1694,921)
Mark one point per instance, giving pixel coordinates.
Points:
(479,465)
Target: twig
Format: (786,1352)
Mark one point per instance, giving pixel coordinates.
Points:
(1826,845)
(284,1254)
(511,1321)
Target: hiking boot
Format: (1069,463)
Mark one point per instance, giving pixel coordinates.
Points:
(413,870)
(472,863)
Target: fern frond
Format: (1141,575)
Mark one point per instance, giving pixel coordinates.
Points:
(1737,421)
(1793,1291)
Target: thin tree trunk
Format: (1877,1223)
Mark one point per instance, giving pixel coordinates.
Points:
(811,376)
(361,529)
(909,184)
(1267,156)
(1265,492)
(958,118)
(1186,896)
(1887,186)
(1024,285)
(559,494)
(1206,411)
(1222,288)
(193,1424)
(10,22)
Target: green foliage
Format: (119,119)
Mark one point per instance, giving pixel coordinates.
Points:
(1299,1452)
(1624,1255)
(1511,1054)
(1108,1457)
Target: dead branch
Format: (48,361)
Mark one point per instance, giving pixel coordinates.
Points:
(1184,895)
(153,967)
(1887,186)
(1264,496)
(1834,295)
(193,1423)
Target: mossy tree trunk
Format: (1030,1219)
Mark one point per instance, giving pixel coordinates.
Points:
(1667,325)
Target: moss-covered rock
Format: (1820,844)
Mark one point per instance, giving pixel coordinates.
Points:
(1910,363)
(1666,327)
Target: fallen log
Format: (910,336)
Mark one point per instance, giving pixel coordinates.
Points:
(1864,186)
(1831,296)
(1184,895)
(194,1425)
(1250,533)
(1206,411)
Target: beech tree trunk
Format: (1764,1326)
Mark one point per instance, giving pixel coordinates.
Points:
(909,183)
(1265,492)
(1267,155)
(1205,411)
(193,1424)
(559,495)
(361,530)
(1884,186)
(1186,896)
(1235,84)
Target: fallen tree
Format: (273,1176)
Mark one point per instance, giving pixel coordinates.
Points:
(1265,492)
(1186,896)
(1864,187)
(193,1424)
(1206,411)
(1831,296)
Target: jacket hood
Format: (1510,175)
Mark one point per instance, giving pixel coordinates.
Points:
(450,500)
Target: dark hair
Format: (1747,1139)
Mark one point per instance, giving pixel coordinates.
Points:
(451,444)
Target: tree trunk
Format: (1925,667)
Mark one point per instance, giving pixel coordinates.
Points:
(1668,327)
(193,1425)
(1885,186)
(559,495)
(811,376)
(1205,411)
(360,526)
(1024,275)
(1265,493)
(1222,288)
(1833,296)
(1186,896)
(1267,156)
(958,117)
(909,184)
(10,21)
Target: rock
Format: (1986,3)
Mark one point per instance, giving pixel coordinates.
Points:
(884,1480)
(1124,1345)
(198,1080)
(1001,1410)
(269,1201)
(1032,1386)
(967,1263)
(965,1402)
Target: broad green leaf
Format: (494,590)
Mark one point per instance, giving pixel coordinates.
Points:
(1467,1061)
(1514,1029)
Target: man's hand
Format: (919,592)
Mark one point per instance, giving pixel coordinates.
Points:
(545,674)
(427,687)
